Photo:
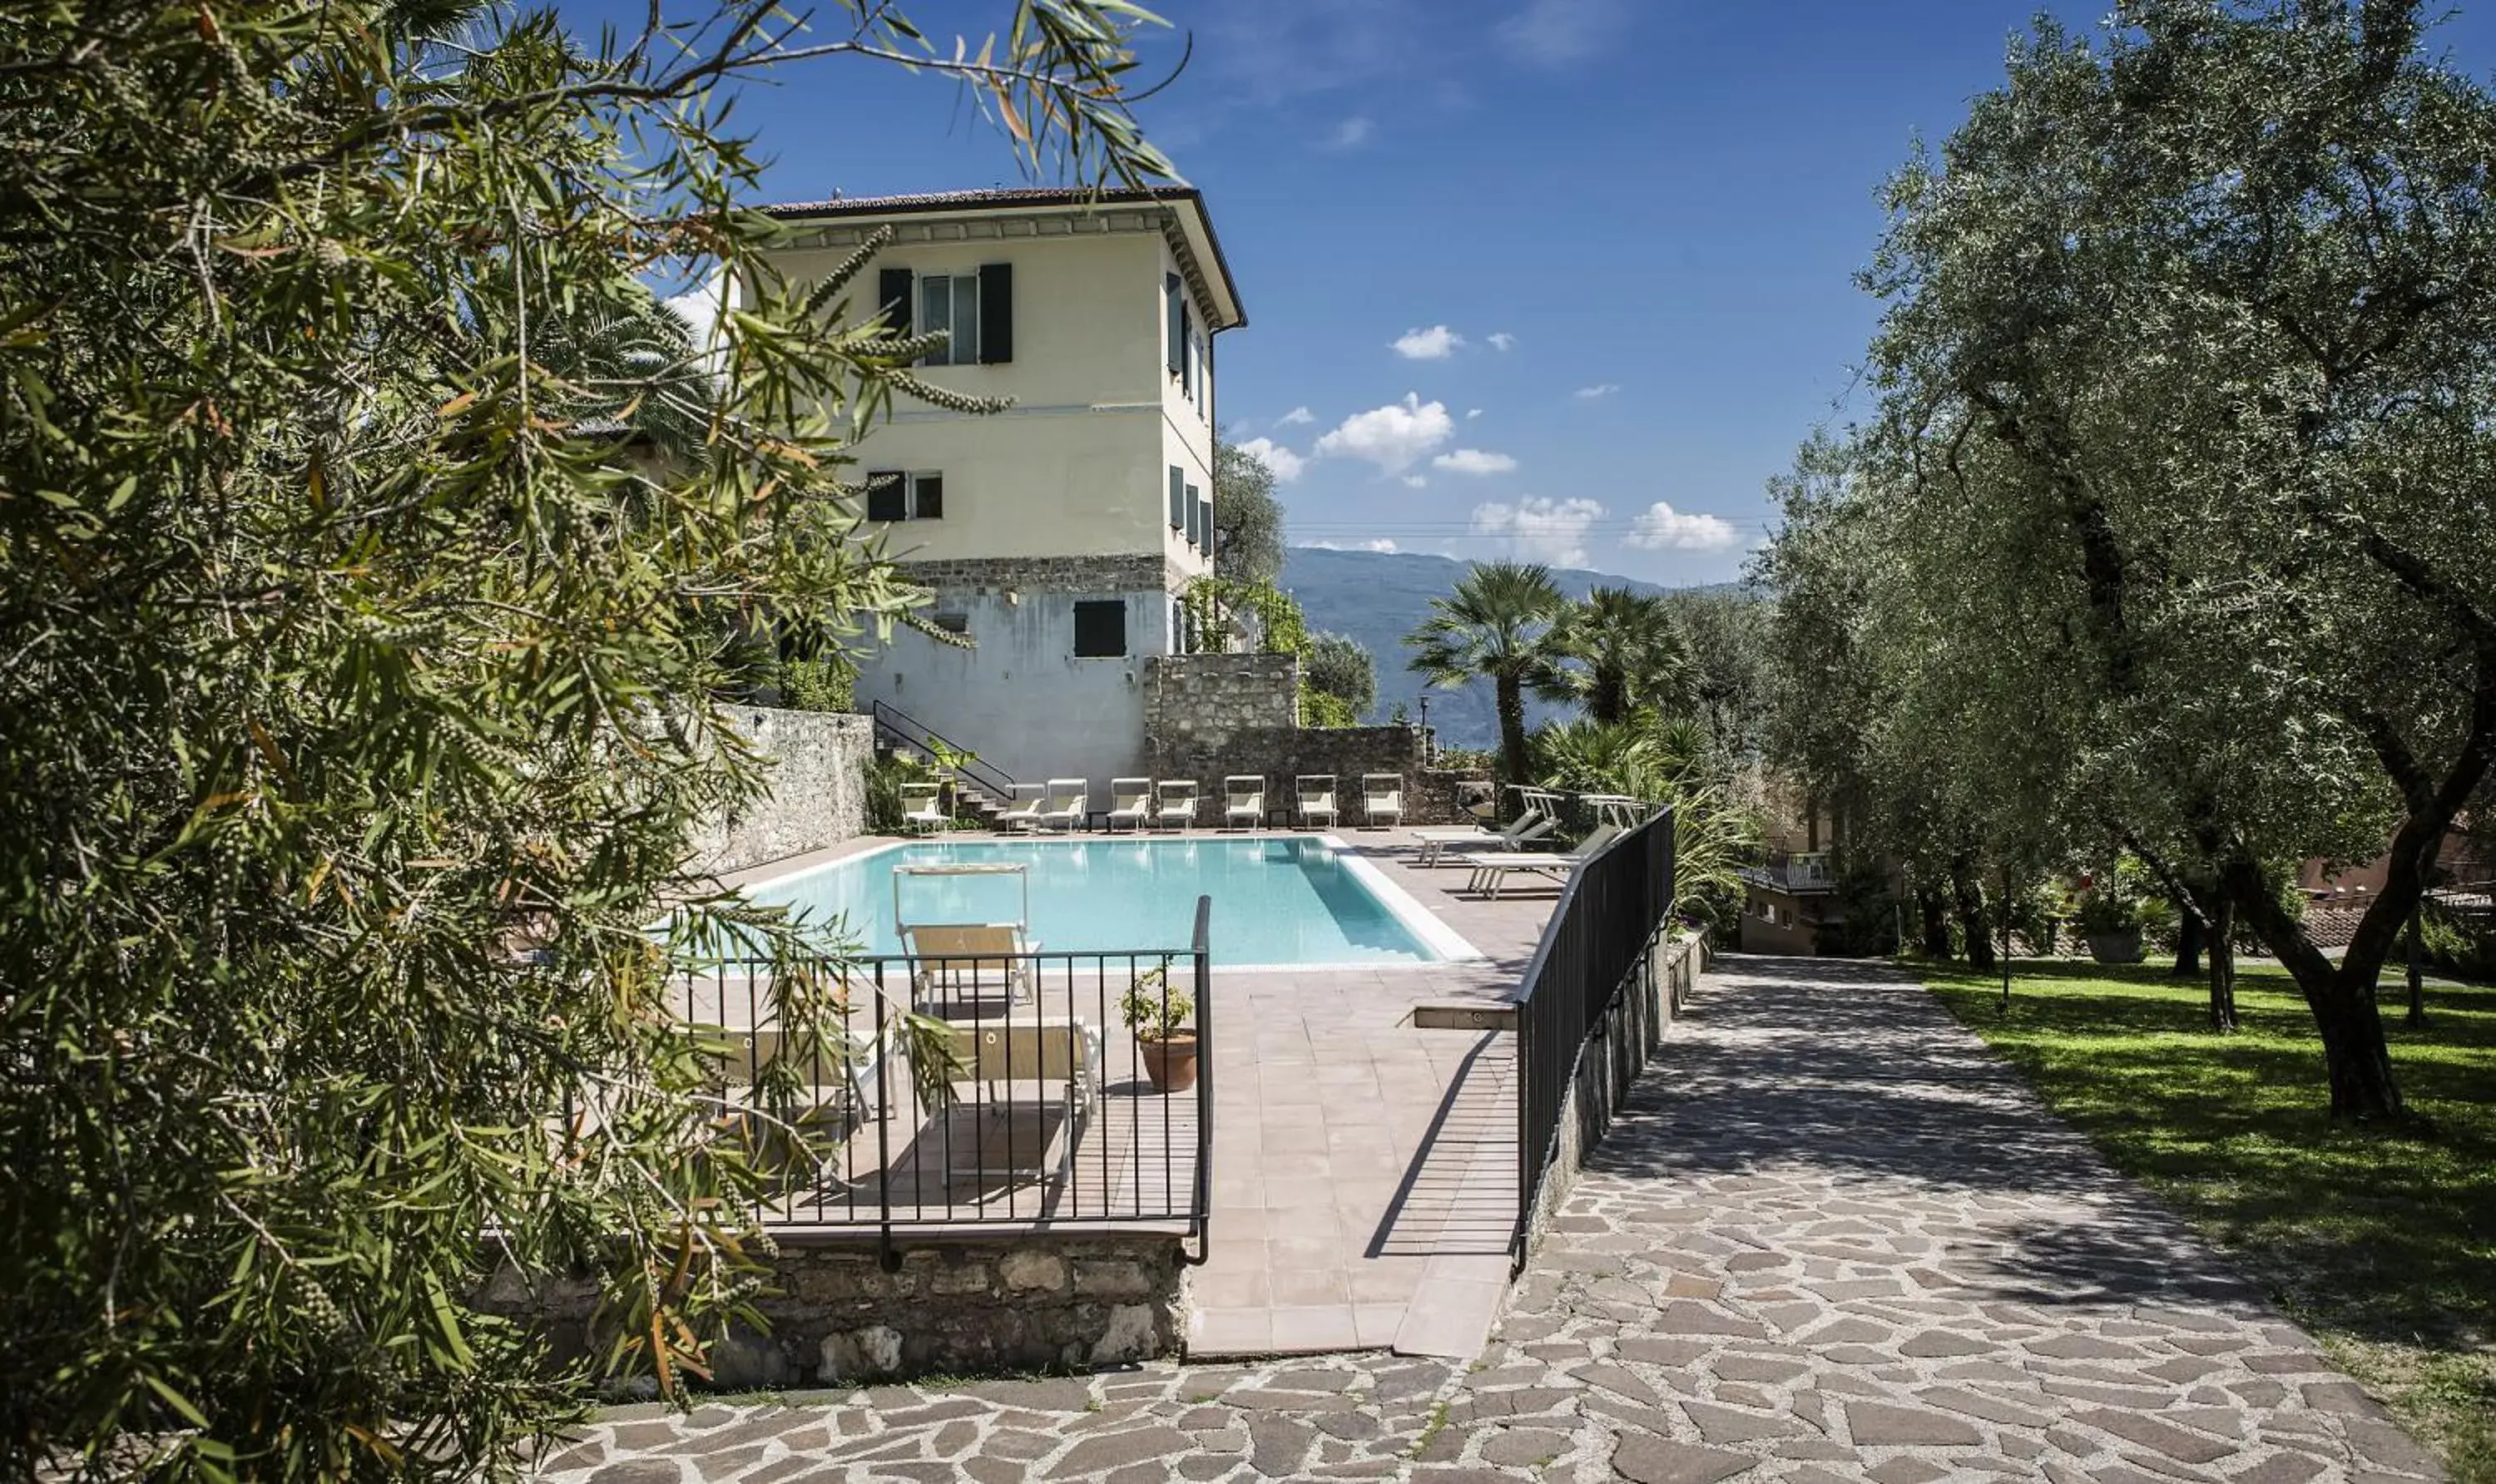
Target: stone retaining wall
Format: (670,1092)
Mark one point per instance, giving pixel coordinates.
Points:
(1016,1302)
(818,794)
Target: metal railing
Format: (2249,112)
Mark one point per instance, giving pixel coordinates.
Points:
(899,728)
(1601,942)
(908,1095)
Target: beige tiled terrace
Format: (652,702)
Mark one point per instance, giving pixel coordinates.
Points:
(1365,1169)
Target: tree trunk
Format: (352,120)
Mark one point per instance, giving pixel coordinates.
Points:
(2188,942)
(1510,695)
(1936,917)
(2355,1061)
(2354,1056)
(2223,968)
(1972,920)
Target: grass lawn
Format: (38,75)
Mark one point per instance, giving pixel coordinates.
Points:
(2384,1245)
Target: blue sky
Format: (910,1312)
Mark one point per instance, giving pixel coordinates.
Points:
(1615,239)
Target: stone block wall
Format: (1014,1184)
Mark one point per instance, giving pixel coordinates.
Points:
(1024,1301)
(818,794)
(1203,700)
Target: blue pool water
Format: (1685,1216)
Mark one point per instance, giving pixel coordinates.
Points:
(1292,901)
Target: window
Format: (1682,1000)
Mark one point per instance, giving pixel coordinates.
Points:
(953,623)
(1203,375)
(1177,498)
(1101,630)
(1174,338)
(976,310)
(893,495)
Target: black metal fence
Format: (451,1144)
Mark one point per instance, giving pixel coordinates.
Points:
(982,1086)
(1600,948)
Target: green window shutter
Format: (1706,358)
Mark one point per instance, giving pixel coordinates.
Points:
(1205,521)
(1177,498)
(1195,531)
(996,313)
(893,292)
(1187,348)
(884,500)
(1174,305)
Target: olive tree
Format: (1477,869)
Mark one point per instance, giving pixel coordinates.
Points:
(356,677)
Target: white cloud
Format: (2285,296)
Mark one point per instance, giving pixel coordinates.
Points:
(1286,464)
(1417,482)
(1296,417)
(1554,33)
(1379,543)
(1599,389)
(1470,413)
(1501,340)
(1352,132)
(1437,343)
(1393,437)
(1537,529)
(1474,462)
(1661,527)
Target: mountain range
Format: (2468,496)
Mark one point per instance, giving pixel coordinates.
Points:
(1376,598)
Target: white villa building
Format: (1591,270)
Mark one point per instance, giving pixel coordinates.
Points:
(1059,534)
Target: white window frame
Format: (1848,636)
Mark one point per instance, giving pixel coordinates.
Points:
(960,349)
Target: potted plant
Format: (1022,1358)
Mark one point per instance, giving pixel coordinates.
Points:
(1165,1041)
(2112,922)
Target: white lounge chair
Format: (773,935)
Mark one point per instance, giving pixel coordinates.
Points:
(1540,818)
(923,807)
(1130,802)
(1177,807)
(1316,798)
(1491,872)
(1024,813)
(1243,801)
(1060,807)
(1022,1096)
(958,963)
(1382,798)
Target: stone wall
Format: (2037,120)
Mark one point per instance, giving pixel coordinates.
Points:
(1137,571)
(1022,1301)
(818,794)
(1209,716)
(1617,1050)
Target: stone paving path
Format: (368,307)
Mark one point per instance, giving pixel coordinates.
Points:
(1833,1240)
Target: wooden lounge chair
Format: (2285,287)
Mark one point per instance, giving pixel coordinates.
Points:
(1177,807)
(1540,818)
(1243,801)
(1130,802)
(1491,872)
(962,966)
(1022,1096)
(1060,807)
(1382,798)
(923,807)
(1315,794)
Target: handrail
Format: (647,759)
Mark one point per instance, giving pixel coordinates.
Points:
(906,730)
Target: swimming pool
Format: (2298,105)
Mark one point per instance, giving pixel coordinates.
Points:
(1297,901)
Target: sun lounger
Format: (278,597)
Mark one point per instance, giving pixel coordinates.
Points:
(1243,801)
(961,965)
(1022,1097)
(1023,814)
(1539,819)
(923,807)
(1130,802)
(1316,798)
(1382,798)
(1491,872)
(1060,807)
(1177,807)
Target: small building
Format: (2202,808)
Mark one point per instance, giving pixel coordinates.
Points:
(1060,533)
(1785,903)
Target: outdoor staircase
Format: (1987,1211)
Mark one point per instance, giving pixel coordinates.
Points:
(979,787)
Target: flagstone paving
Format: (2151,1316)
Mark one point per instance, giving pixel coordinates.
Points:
(1832,1240)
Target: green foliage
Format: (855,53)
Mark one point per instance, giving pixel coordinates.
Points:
(2385,1259)
(1665,764)
(1220,609)
(1247,518)
(1498,625)
(369,545)
(827,683)
(2460,945)
(1625,652)
(1336,666)
(1154,1011)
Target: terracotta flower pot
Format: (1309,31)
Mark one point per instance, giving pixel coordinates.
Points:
(1170,1064)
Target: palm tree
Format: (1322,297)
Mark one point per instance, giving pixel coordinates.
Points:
(1496,625)
(1630,652)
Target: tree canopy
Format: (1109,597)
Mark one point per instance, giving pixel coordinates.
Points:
(1247,518)
(358,708)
